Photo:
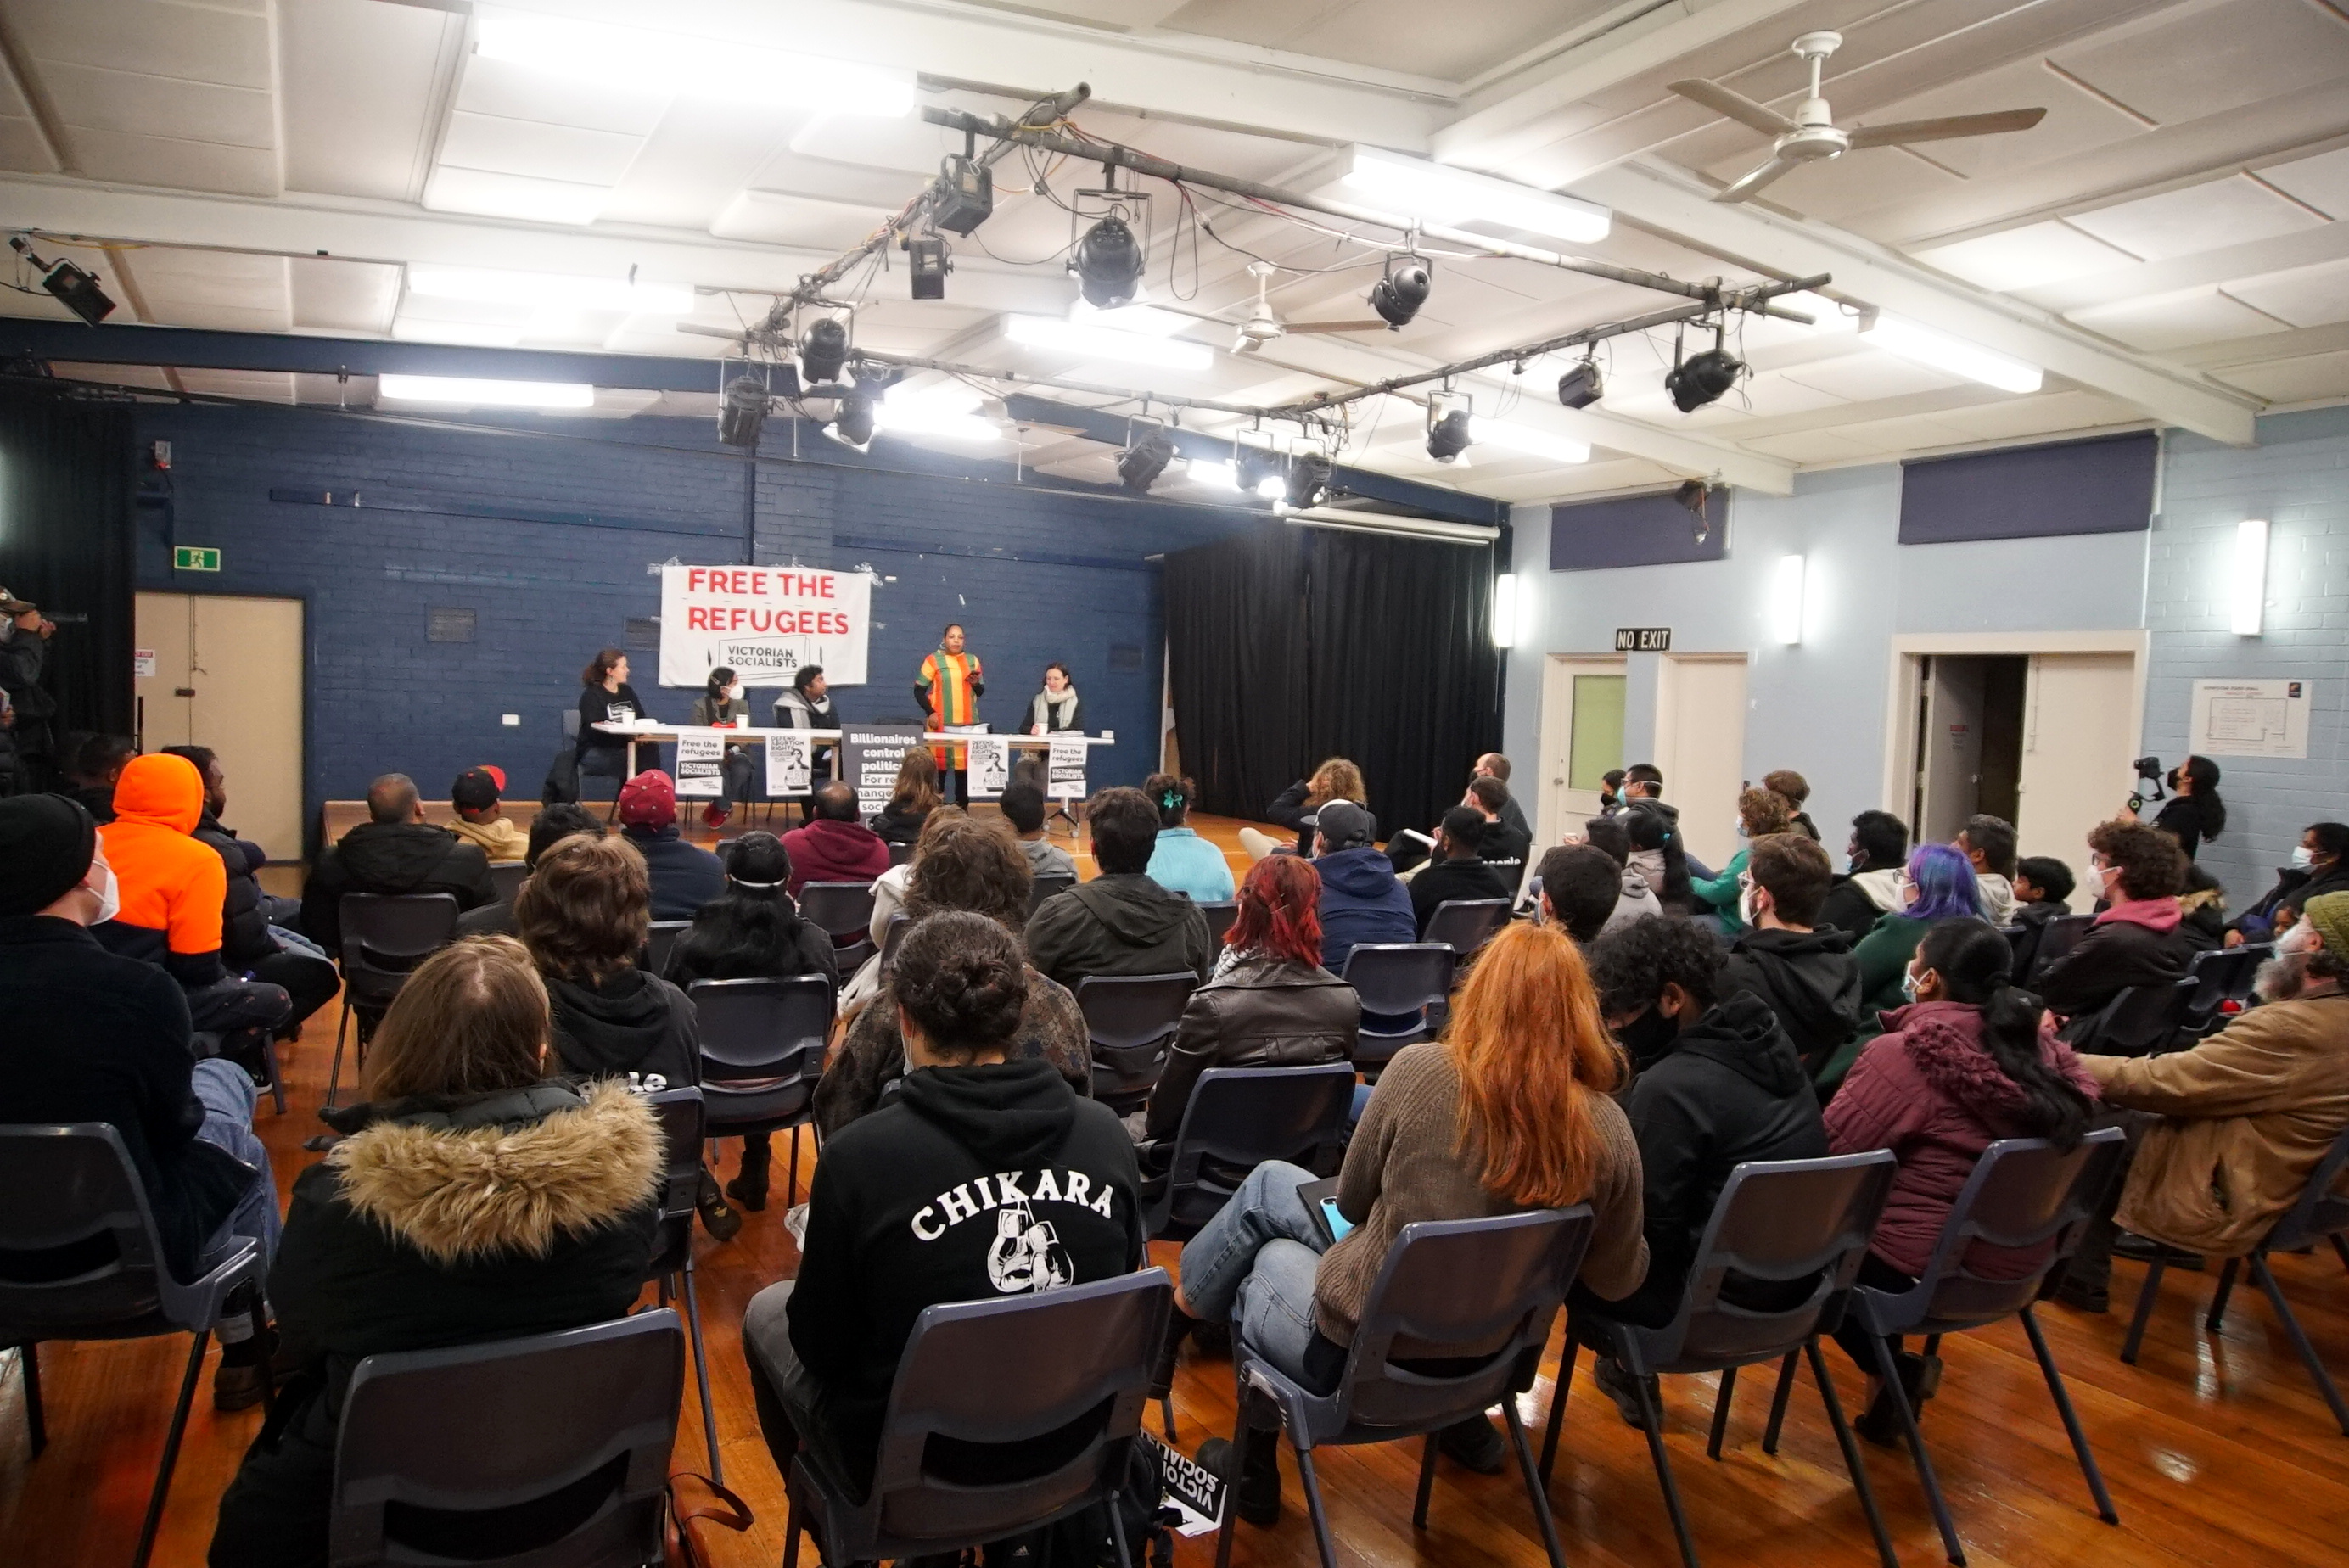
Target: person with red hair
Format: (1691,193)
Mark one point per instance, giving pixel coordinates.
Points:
(1267,1003)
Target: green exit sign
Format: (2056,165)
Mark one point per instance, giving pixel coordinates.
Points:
(195,557)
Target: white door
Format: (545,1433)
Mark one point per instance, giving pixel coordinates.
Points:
(1700,749)
(1950,768)
(228,675)
(2079,733)
(1581,740)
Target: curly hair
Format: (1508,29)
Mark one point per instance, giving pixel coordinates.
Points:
(2150,863)
(961,979)
(1632,964)
(584,910)
(972,864)
(1787,782)
(1336,779)
(1763,812)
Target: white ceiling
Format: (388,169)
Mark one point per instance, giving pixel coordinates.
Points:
(2171,243)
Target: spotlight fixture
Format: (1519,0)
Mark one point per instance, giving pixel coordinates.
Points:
(741,411)
(1398,295)
(927,262)
(1693,494)
(1450,430)
(965,194)
(75,289)
(1252,466)
(1308,481)
(1582,386)
(852,426)
(1702,378)
(824,349)
(1138,466)
(1108,261)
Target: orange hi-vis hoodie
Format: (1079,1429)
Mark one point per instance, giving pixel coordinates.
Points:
(172,886)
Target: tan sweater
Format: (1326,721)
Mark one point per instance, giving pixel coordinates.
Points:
(1402,1168)
(500,838)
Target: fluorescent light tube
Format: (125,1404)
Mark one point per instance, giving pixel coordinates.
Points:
(936,422)
(1145,319)
(1223,476)
(1099,343)
(2248,593)
(525,196)
(1533,443)
(1938,351)
(1504,610)
(1786,600)
(1439,194)
(469,333)
(640,60)
(543,290)
(469,393)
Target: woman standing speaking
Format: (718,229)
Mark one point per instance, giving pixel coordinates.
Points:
(948,687)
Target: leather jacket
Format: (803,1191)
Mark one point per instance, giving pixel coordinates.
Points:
(1263,1012)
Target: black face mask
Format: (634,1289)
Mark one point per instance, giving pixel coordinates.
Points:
(1609,801)
(2173,781)
(1647,1036)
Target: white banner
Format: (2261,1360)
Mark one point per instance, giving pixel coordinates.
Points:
(701,763)
(790,770)
(990,766)
(1068,770)
(765,623)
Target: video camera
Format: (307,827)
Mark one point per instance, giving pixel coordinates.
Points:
(2148,767)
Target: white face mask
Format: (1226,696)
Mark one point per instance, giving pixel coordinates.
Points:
(2302,857)
(2299,939)
(1909,984)
(110,896)
(2092,881)
(1740,828)
(734,692)
(1745,911)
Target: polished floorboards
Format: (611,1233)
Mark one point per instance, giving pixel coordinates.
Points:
(2217,1448)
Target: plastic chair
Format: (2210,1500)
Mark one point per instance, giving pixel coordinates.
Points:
(2221,975)
(890,939)
(660,941)
(1045,887)
(2058,937)
(1220,913)
(507,877)
(2141,1021)
(1131,1019)
(2023,1193)
(71,1204)
(1466,925)
(2019,938)
(436,1444)
(1396,980)
(1237,1118)
(844,910)
(2319,1213)
(761,1054)
(385,937)
(1445,1283)
(682,1116)
(901,854)
(996,1372)
(1782,1221)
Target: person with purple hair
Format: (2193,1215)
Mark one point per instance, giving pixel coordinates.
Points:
(1938,883)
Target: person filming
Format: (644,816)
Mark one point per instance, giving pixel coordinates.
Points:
(1056,708)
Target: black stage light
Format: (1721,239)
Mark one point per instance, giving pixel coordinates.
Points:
(822,350)
(928,263)
(1448,436)
(1308,479)
(75,289)
(1582,386)
(1138,466)
(1108,261)
(742,411)
(1252,465)
(1695,495)
(852,426)
(1702,378)
(965,194)
(1398,295)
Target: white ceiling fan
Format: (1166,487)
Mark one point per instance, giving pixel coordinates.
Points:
(1812,134)
(1262,326)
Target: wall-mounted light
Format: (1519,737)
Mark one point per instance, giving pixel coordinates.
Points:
(2246,598)
(1786,600)
(1504,610)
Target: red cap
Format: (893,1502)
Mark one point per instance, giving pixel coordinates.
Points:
(497,773)
(648,800)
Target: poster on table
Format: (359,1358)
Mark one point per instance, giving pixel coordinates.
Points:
(990,766)
(764,623)
(701,763)
(2250,719)
(791,767)
(1067,775)
(871,754)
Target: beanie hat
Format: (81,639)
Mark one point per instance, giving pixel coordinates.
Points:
(2329,912)
(46,843)
(1343,825)
(648,800)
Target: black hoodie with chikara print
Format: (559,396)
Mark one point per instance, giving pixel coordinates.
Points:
(976,1182)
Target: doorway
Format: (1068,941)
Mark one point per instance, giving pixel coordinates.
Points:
(1701,748)
(1581,740)
(225,671)
(1969,710)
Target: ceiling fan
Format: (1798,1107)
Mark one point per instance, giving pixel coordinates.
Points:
(1812,134)
(1262,326)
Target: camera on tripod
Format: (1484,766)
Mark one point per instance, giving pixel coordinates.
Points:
(2149,770)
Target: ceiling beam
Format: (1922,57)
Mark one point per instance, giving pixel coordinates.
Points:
(1675,205)
(2227,264)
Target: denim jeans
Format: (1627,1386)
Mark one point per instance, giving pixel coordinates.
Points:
(1253,1266)
(228,1096)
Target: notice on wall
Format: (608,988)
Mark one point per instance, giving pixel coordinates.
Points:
(990,766)
(701,763)
(870,754)
(791,767)
(2250,719)
(1067,765)
(764,623)
(142,664)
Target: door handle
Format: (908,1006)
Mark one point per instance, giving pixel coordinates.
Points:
(183,691)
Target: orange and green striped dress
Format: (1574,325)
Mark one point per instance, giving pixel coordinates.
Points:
(945,679)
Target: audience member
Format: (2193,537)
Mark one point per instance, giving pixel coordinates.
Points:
(2320,865)
(1610,792)
(1988,844)
(832,845)
(2202,906)
(1459,869)
(1970,1060)
(1938,885)
(1269,1003)
(583,914)
(1718,1084)
(1759,812)
(1644,795)
(1183,861)
(684,876)
(1805,973)
(2194,811)
(890,1226)
(1634,898)
(93,1036)
(472,1199)
(1493,765)
(1582,891)
(971,866)
(889,891)
(2137,940)
(2042,883)
(482,820)
(1794,789)
(25,634)
(1510,1110)
(1490,798)
(1361,899)
(1121,923)
(1297,806)
(914,798)
(1024,807)
(1869,888)
(91,767)
(394,852)
(561,820)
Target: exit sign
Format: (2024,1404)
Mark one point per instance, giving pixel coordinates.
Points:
(195,557)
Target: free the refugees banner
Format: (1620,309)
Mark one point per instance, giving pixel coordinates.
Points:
(764,623)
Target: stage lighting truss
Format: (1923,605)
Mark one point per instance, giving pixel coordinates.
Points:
(1449,431)
(1109,243)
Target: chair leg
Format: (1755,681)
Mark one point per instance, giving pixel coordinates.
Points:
(1721,1403)
(2145,1297)
(276,1074)
(2071,1420)
(2218,1300)
(1536,1493)
(701,1376)
(1166,1413)
(172,1449)
(261,1337)
(335,1076)
(37,1425)
(1313,1505)
(1426,1481)
(791,1194)
(1890,1373)
(1117,1531)
(2341,1248)
(1558,1392)
(1651,1421)
(1851,1458)
(791,1533)
(2308,1356)
(1778,1399)
(1232,1485)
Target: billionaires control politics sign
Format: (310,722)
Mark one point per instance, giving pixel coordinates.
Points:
(765,623)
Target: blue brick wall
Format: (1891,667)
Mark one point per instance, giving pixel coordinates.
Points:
(1033,576)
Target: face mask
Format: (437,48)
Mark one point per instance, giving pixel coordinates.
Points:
(2092,882)
(1909,984)
(2173,781)
(1908,893)
(1740,828)
(2299,939)
(1745,911)
(734,692)
(2302,857)
(110,896)
(1646,1035)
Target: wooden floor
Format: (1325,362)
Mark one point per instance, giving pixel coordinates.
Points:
(2217,1448)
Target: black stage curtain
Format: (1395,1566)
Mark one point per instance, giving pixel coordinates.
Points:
(1288,645)
(67,487)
